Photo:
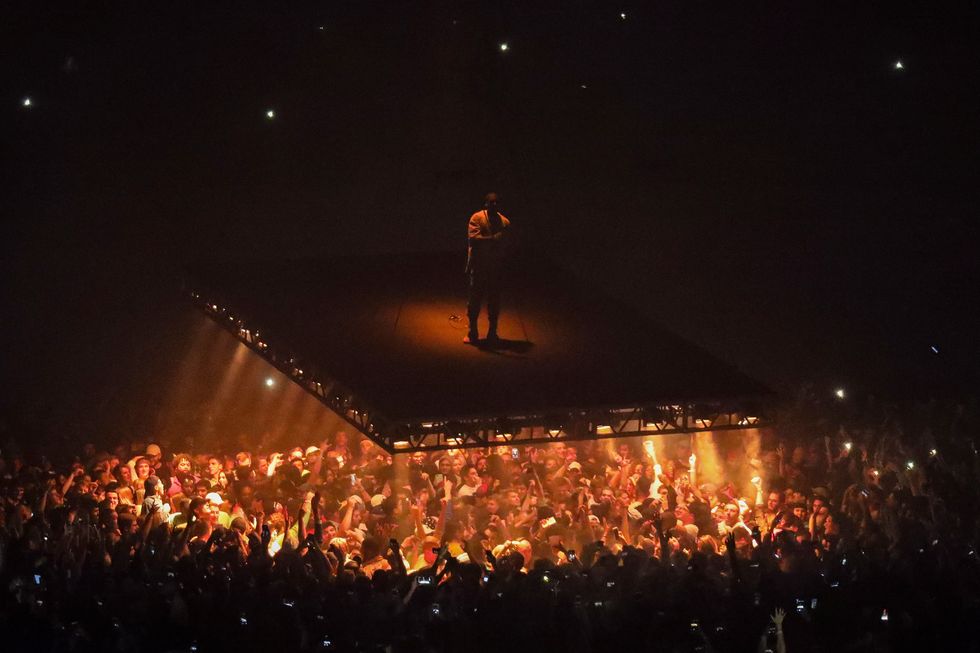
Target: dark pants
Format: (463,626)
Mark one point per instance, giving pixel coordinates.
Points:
(483,286)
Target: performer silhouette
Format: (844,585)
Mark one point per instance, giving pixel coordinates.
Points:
(487,233)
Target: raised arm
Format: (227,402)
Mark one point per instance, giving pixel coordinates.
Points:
(71,480)
(657,468)
(346,519)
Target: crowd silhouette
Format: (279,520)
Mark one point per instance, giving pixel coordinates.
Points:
(844,531)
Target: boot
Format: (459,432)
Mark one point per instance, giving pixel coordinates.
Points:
(473,336)
(492,333)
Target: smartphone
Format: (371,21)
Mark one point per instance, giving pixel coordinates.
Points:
(514,453)
(353,479)
(425,580)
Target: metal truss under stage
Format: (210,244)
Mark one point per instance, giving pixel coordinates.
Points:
(489,430)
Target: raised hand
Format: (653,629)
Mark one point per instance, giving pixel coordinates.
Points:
(730,541)
(777,618)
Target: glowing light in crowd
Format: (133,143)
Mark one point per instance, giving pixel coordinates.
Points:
(26,102)
(504,47)
(899,66)
(270,114)
(934,349)
(840,393)
(933,452)
(910,465)
(269,382)
(622,16)
(848,445)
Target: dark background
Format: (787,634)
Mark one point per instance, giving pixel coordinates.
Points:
(756,176)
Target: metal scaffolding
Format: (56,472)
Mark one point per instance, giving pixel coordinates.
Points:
(460,432)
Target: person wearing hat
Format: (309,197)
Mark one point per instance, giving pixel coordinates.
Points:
(486,232)
(215,508)
(154,454)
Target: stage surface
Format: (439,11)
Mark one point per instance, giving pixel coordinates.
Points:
(391,329)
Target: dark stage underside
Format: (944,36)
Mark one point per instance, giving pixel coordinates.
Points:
(391,331)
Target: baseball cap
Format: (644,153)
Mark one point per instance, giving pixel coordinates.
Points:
(575,465)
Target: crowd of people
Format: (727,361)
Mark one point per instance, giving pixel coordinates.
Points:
(849,534)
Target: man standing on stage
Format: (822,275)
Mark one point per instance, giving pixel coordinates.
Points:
(487,231)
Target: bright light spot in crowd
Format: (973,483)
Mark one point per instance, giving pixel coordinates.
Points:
(840,393)
(933,452)
(504,47)
(584,86)
(934,349)
(910,465)
(27,102)
(847,445)
(321,28)
(270,114)
(898,65)
(269,382)
(623,16)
